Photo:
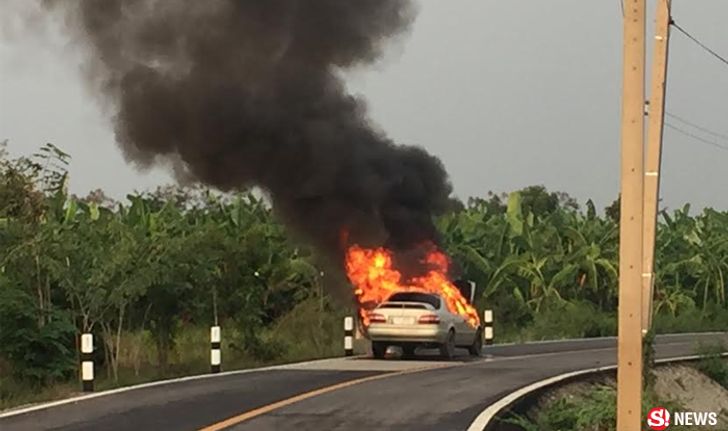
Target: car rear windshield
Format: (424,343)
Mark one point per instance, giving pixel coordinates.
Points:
(403,305)
(415,297)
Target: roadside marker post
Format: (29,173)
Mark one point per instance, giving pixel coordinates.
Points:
(215,356)
(488,327)
(87,362)
(349,336)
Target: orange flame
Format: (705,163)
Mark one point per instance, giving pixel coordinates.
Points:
(375,280)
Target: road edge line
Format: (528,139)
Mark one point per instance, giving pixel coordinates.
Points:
(485,418)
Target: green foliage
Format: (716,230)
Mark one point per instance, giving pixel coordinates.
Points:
(156,263)
(713,364)
(304,337)
(538,200)
(576,319)
(613,211)
(648,359)
(594,409)
(691,319)
(37,354)
(538,249)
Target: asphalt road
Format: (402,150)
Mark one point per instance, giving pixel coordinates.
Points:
(423,394)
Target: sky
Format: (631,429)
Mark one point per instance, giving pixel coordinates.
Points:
(507,94)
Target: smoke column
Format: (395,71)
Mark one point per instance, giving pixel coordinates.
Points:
(248,92)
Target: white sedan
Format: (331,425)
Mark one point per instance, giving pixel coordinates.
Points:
(413,319)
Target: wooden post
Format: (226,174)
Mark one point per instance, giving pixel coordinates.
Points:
(654,156)
(629,360)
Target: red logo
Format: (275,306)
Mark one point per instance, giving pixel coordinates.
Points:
(658,419)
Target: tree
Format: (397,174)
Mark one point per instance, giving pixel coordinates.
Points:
(613,210)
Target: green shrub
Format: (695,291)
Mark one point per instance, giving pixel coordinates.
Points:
(595,410)
(576,319)
(648,360)
(38,352)
(308,333)
(713,318)
(713,364)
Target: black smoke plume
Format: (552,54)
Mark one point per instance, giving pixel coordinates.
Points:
(249,92)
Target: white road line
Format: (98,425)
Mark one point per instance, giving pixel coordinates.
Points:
(486,416)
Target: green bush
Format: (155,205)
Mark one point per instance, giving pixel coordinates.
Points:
(310,331)
(648,360)
(38,352)
(595,410)
(576,319)
(713,364)
(511,316)
(693,319)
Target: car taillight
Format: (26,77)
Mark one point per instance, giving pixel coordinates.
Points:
(376,318)
(429,319)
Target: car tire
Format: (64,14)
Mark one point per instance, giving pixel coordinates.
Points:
(476,349)
(447,349)
(379,349)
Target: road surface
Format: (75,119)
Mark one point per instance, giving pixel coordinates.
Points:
(342,393)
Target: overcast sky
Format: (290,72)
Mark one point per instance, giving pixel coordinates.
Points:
(506,93)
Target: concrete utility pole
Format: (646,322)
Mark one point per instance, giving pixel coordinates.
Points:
(629,361)
(654,157)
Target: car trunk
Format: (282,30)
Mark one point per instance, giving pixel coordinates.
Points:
(403,313)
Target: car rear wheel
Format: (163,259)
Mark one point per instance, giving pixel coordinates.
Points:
(447,349)
(476,349)
(379,349)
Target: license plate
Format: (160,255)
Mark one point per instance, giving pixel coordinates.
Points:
(403,320)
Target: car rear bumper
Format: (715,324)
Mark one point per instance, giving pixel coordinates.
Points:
(413,334)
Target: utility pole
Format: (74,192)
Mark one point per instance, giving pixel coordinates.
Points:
(629,360)
(654,157)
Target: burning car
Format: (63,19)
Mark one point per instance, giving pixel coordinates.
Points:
(414,319)
(426,310)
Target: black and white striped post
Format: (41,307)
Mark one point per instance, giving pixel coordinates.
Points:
(488,327)
(349,336)
(215,357)
(87,362)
